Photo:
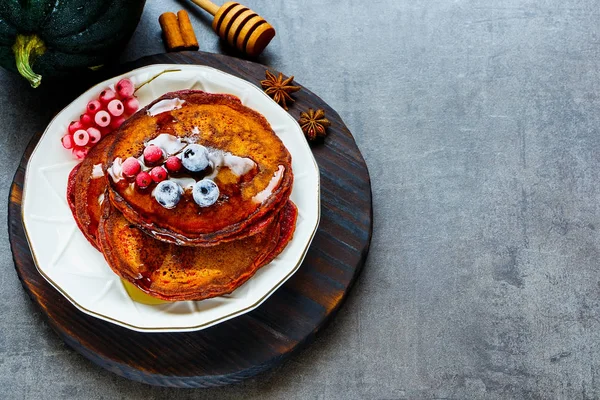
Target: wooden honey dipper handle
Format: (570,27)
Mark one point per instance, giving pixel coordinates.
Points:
(207,5)
(239,26)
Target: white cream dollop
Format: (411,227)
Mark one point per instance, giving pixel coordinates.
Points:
(185,183)
(169,144)
(116,170)
(97,171)
(266,192)
(239,166)
(165,106)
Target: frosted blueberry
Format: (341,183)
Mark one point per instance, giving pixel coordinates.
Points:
(167,193)
(194,158)
(205,193)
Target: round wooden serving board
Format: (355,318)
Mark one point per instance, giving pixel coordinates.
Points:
(254,342)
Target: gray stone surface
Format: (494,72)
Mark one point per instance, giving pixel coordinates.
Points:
(479,121)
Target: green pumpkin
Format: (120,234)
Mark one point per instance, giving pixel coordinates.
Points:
(58,37)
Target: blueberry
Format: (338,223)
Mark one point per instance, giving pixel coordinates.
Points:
(205,193)
(167,193)
(195,158)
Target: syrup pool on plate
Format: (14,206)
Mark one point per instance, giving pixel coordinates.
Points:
(140,297)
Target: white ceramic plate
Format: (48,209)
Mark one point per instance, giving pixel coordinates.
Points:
(65,258)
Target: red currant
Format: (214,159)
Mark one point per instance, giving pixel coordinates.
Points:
(143,180)
(131,167)
(81,138)
(95,135)
(158,174)
(125,88)
(106,96)
(67,141)
(131,105)
(153,154)
(102,118)
(173,164)
(93,107)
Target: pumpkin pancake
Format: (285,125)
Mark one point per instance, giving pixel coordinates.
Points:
(172,272)
(86,187)
(248,162)
(287,221)
(255,181)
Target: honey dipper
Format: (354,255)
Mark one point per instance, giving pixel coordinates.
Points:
(239,26)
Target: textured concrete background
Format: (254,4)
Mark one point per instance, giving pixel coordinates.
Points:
(479,121)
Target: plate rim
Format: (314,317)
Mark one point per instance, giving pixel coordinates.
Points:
(168,329)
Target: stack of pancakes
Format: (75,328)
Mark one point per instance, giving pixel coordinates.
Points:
(188,252)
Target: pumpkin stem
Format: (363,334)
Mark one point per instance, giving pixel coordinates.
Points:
(26,49)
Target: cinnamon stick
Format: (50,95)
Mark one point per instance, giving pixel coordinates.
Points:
(187,31)
(171,33)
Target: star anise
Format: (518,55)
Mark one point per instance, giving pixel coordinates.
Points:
(279,89)
(314,123)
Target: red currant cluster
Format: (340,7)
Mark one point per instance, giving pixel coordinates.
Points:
(153,155)
(102,116)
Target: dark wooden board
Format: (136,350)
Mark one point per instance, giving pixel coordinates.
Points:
(247,345)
